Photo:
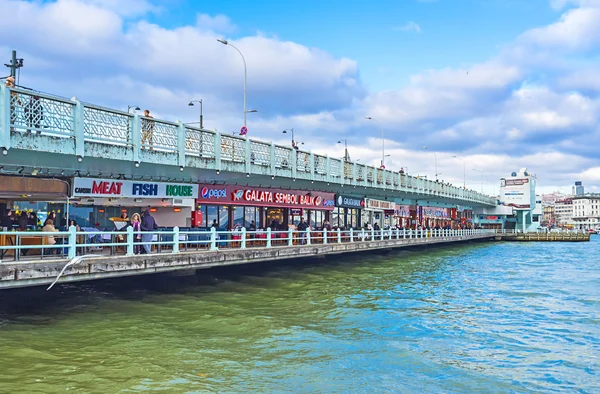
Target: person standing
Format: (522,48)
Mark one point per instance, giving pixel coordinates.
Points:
(6,222)
(148,226)
(302,226)
(147,129)
(136,223)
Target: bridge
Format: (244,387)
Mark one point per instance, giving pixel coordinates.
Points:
(184,252)
(50,136)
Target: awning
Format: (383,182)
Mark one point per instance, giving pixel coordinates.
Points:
(32,189)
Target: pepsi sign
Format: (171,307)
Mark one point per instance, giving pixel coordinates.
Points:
(213,193)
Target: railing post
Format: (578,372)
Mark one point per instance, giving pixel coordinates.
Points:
(311,165)
(268,237)
(175,239)
(213,239)
(339,235)
(272,158)
(362,234)
(353,180)
(421,233)
(372,234)
(136,140)
(324,236)
(308,236)
(79,127)
(181,138)
(328,169)
(217,151)
(247,155)
(4,117)
(351,234)
(130,241)
(72,242)
(294,162)
(397,233)
(290,237)
(243,243)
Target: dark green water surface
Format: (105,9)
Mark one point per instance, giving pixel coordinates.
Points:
(493,317)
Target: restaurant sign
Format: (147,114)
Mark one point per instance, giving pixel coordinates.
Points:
(432,212)
(402,210)
(239,195)
(349,202)
(90,187)
(380,204)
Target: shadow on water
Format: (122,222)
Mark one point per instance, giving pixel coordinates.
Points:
(36,303)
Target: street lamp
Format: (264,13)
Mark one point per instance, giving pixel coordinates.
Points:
(382,140)
(346,156)
(464,171)
(135,108)
(191,104)
(435,156)
(225,42)
(292,130)
(479,171)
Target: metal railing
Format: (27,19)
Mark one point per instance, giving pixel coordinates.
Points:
(68,244)
(25,111)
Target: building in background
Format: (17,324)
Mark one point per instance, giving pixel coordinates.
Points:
(548,214)
(563,212)
(518,192)
(551,198)
(578,189)
(586,211)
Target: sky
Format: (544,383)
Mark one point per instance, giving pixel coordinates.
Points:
(487,86)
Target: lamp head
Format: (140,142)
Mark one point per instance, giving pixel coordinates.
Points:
(222,41)
(191,104)
(368,117)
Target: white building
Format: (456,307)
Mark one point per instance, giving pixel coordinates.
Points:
(563,212)
(586,211)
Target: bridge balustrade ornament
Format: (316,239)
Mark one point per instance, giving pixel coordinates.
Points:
(31,112)
(36,112)
(260,153)
(159,135)
(283,157)
(232,149)
(104,126)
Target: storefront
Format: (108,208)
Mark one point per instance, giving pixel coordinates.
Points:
(95,201)
(33,195)
(435,217)
(347,212)
(402,216)
(238,206)
(378,211)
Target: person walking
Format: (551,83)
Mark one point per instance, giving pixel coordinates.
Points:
(148,225)
(147,129)
(136,223)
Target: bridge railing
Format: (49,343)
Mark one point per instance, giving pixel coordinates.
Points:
(26,111)
(25,245)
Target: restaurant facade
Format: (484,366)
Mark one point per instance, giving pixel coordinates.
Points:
(233,206)
(347,212)
(378,211)
(94,201)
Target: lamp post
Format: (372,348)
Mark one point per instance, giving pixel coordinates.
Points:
(382,140)
(191,104)
(292,130)
(464,171)
(225,42)
(480,172)
(435,157)
(135,108)
(346,156)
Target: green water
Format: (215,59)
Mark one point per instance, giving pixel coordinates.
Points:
(478,318)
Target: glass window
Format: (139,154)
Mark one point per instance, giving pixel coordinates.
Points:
(316,218)
(212,214)
(337,217)
(238,217)
(251,214)
(223,217)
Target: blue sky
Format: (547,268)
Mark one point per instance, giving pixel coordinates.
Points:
(503,84)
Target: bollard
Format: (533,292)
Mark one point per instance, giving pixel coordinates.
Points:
(243,244)
(268,237)
(175,239)
(213,239)
(130,241)
(72,242)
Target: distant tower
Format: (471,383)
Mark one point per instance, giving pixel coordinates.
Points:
(578,189)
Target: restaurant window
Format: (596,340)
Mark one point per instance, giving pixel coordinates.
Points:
(317,218)
(212,213)
(353,218)
(251,214)
(337,217)
(238,217)
(223,217)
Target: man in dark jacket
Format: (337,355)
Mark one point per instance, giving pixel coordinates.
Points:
(147,226)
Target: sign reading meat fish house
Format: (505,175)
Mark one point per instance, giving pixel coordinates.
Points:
(89,187)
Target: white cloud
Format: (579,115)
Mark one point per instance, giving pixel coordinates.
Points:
(218,23)
(408,26)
